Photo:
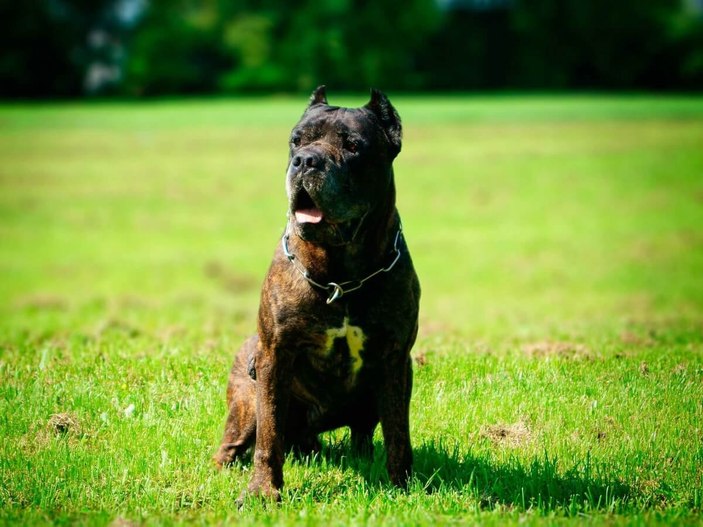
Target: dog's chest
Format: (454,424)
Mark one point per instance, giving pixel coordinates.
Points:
(340,353)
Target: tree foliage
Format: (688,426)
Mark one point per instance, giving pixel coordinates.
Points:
(55,48)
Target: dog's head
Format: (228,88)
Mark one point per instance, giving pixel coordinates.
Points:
(340,167)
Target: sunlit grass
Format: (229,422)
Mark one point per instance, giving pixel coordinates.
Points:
(559,371)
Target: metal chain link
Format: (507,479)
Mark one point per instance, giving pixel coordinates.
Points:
(338,290)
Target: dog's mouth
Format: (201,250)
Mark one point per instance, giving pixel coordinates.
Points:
(305,209)
(315,225)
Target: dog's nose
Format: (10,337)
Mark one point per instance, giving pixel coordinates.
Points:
(307,160)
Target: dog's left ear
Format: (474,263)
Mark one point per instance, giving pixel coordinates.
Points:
(319,96)
(389,118)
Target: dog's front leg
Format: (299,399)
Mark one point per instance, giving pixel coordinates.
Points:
(272,396)
(394,410)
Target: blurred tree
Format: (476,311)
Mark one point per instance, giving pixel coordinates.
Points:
(150,47)
(685,31)
(43,46)
(383,40)
(60,48)
(346,44)
(201,45)
(249,41)
(594,44)
(177,49)
(474,49)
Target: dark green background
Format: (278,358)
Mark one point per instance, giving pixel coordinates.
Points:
(162,47)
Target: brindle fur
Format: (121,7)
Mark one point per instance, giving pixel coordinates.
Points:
(285,387)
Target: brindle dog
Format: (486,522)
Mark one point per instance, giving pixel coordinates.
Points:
(339,306)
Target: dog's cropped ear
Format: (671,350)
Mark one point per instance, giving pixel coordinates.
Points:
(389,118)
(318,96)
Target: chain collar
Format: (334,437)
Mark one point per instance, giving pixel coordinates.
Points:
(338,290)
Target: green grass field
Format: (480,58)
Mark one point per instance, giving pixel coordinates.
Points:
(559,371)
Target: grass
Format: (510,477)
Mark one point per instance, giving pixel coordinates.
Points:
(559,369)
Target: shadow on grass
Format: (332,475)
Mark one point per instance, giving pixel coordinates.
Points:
(542,482)
(539,482)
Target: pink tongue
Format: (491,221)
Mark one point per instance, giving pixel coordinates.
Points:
(308,215)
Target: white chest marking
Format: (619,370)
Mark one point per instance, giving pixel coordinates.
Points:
(355,341)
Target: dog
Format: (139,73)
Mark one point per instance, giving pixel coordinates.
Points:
(339,306)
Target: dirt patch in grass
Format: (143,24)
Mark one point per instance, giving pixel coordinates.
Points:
(228,279)
(512,435)
(122,522)
(680,369)
(634,339)
(421,359)
(565,350)
(108,326)
(64,424)
(433,327)
(607,428)
(42,302)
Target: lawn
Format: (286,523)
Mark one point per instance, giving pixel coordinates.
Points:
(559,367)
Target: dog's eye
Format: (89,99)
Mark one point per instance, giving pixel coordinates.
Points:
(351,146)
(295,140)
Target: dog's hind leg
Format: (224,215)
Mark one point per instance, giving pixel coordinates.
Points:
(240,427)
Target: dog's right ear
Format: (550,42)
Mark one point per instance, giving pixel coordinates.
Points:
(318,96)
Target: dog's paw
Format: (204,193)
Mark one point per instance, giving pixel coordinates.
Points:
(265,493)
(225,456)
